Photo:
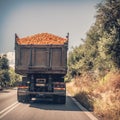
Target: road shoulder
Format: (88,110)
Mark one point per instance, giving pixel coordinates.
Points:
(89,114)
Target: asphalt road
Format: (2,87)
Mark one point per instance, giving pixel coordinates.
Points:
(10,109)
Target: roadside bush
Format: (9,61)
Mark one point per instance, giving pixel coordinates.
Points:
(100,96)
(84,98)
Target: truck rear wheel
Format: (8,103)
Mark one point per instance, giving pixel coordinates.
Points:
(19,98)
(26,98)
(23,98)
(63,99)
(59,99)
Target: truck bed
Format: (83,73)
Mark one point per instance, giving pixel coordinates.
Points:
(40,58)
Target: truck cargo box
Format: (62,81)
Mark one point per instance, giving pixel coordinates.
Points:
(41,53)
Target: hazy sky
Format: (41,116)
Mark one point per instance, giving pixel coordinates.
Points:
(28,17)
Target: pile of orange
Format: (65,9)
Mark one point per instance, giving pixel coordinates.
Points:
(42,39)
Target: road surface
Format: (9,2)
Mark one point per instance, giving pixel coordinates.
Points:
(10,109)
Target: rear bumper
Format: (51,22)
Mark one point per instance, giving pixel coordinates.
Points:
(25,92)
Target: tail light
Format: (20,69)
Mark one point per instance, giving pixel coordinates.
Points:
(59,86)
(23,87)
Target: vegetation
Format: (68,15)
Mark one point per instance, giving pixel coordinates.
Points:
(94,66)
(8,78)
(14,78)
(99,96)
(101,48)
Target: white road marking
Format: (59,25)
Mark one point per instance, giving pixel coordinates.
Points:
(91,116)
(8,109)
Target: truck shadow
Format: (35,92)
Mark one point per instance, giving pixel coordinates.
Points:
(49,105)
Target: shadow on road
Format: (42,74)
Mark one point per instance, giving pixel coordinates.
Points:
(49,105)
(7,90)
(4,91)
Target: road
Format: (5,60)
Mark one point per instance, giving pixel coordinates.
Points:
(10,109)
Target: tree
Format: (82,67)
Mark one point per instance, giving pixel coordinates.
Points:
(108,21)
(4,62)
(14,78)
(101,48)
(4,71)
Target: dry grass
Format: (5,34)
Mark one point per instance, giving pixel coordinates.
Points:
(85,99)
(72,89)
(101,96)
(108,107)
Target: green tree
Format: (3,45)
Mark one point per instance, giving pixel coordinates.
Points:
(101,48)
(4,71)
(14,78)
(108,21)
(4,62)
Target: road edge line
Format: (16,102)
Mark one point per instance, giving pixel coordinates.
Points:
(9,110)
(90,115)
(8,107)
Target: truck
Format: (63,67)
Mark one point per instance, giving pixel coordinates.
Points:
(41,59)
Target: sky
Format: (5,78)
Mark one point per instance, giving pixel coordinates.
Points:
(29,17)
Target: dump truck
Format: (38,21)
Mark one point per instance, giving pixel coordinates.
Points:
(41,59)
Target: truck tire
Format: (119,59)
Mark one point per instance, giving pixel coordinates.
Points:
(56,99)
(19,98)
(59,99)
(63,99)
(26,99)
(23,98)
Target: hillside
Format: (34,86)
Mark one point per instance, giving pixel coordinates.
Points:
(94,66)
(102,97)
